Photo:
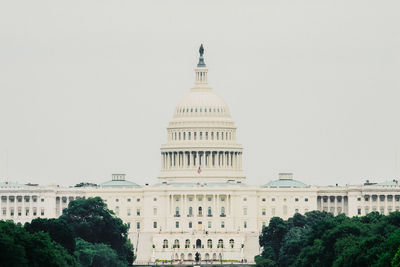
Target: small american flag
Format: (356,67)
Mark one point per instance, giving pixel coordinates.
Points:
(199,170)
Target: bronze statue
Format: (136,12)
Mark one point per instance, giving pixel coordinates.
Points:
(201,50)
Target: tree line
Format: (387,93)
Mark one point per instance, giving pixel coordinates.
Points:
(86,234)
(321,239)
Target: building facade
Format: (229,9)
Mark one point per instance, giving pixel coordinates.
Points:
(201,203)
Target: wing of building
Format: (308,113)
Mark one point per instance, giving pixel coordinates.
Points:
(201,203)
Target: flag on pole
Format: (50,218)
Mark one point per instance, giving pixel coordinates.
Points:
(199,170)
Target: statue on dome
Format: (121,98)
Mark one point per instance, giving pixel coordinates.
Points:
(201,50)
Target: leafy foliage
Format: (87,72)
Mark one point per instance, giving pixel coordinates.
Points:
(20,248)
(320,239)
(93,222)
(87,234)
(99,255)
(58,229)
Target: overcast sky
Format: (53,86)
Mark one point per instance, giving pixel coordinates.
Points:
(87,88)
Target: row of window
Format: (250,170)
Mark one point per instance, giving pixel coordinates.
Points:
(381,210)
(183,136)
(200,110)
(20,211)
(200,211)
(130,200)
(200,198)
(200,223)
(284,199)
(20,198)
(198,243)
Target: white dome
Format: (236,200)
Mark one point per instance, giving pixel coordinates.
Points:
(201,104)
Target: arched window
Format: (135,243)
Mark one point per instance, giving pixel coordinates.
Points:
(182,256)
(200,211)
(209,211)
(209,243)
(189,135)
(198,243)
(194,135)
(165,243)
(190,257)
(212,135)
(222,211)
(214,256)
(190,211)
(217,135)
(176,243)
(184,135)
(187,243)
(232,243)
(207,256)
(220,243)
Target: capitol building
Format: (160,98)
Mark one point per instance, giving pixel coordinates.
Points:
(201,202)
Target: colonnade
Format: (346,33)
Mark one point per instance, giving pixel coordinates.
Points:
(333,204)
(205,159)
(379,202)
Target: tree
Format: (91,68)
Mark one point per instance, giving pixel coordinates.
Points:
(96,255)
(59,230)
(272,236)
(20,248)
(93,222)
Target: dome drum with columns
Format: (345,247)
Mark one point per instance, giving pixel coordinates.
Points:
(201,143)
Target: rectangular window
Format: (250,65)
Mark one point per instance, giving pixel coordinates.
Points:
(306,199)
(296,199)
(209,224)
(244,224)
(138,212)
(154,211)
(222,224)
(176,224)
(263,212)
(138,225)
(154,225)
(359,211)
(244,211)
(129,212)
(190,224)
(42,212)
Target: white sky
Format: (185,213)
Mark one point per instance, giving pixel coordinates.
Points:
(87,88)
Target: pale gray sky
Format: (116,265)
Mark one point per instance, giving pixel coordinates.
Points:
(87,88)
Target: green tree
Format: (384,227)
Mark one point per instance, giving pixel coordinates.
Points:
(59,230)
(96,255)
(93,222)
(20,248)
(272,235)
